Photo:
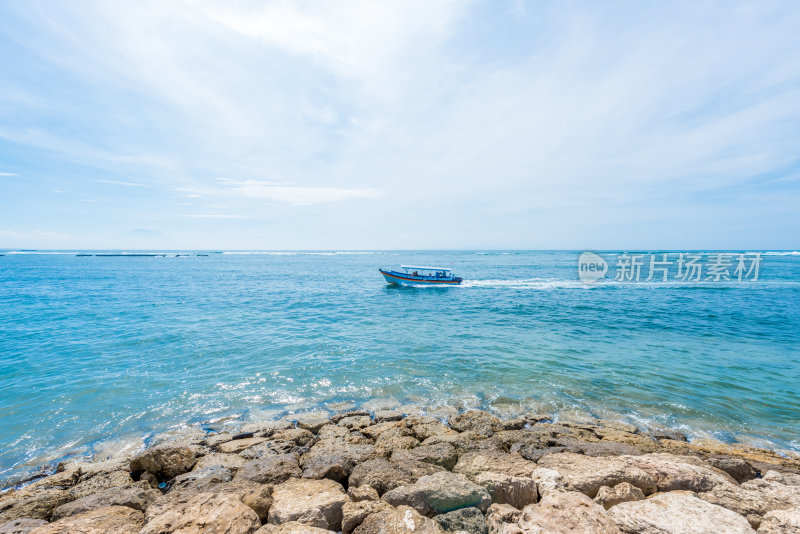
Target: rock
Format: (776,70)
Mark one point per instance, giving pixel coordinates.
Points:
(292,527)
(502,519)
(179,495)
(204,513)
(640,442)
(291,440)
(237,446)
(100,482)
(465,520)
(116,519)
(21,526)
(442,454)
(672,472)
(311,421)
(663,433)
(505,489)
(382,416)
(317,503)
(624,492)
(677,512)
(778,522)
(334,459)
(270,469)
(400,426)
(616,426)
(31,502)
(738,468)
(215,440)
(259,499)
(755,498)
(57,481)
(401,520)
(166,461)
(533,452)
(472,463)
(588,474)
(548,481)
(85,470)
(384,475)
(388,442)
(787,479)
(609,448)
(335,418)
(228,461)
(137,496)
(425,427)
(266,428)
(333,433)
(439,493)
(355,422)
(354,513)
(150,479)
(213,473)
(478,421)
(362,493)
(566,512)
(210,479)
(514,424)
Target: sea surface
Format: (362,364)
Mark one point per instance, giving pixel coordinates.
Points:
(99,353)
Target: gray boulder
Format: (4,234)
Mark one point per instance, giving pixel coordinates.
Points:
(166,461)
(677,512)
(440,493)
(270,469)
(468,520)
(137,496)
(384,475)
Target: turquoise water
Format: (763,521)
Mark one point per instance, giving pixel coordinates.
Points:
(95,351)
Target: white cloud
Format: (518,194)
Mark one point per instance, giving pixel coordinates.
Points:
(483,119)
(8,174)
(120,182)
(34,236)
(281,193)
(214,216)
(297,196)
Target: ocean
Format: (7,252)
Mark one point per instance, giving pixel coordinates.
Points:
(100,353)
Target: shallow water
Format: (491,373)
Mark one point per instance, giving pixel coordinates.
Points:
(99,349)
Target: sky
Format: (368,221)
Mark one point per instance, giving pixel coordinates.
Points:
(399,125)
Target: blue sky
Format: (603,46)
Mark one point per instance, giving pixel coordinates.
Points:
(355,125)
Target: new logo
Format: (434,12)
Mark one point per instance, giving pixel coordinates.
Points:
(591,267)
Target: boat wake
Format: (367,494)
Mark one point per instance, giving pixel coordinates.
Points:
(525,283)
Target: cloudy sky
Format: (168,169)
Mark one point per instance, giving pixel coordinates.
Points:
(355,125)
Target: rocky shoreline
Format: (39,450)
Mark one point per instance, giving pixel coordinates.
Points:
(388,472)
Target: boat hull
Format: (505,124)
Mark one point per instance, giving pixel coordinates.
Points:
(403,280)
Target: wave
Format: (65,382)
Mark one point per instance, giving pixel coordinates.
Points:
(525,283)
(497,253)
(783,253)
(37,252)
(563,283)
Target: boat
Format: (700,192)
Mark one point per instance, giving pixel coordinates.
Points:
(412,275)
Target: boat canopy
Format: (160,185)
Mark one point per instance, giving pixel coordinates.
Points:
(420,268)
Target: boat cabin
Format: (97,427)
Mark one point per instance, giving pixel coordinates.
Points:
(427,272)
